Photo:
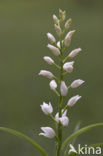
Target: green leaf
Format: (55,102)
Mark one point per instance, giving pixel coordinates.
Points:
(77,133)
(28,139)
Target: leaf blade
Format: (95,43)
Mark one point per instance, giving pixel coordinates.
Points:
(23,136)
(77,133)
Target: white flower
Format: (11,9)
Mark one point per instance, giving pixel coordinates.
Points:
(48,60)
(58,29)
(47,108)
(48,132)
(56,20)
(74,52)
(73,100)
(53,84)
(68,23)
(51,38)
(64,120)
(63,88)
(77,83)
(54,50)
(46,74)
(63,115)
(57,117)
(68,38)
(68,66)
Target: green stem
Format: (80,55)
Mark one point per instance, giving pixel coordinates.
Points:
(53,119)
(56,92)
(60,104)
(56,65)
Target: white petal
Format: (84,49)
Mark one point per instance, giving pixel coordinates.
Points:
(51,38)
(74,52)
(47,108)
(63,89)
(54,50)
(53,84)
(57,117)
(68,38)
(48,132)
(64,121)
(48,60)
(68,66)
(56,20)
(73,100)
(77,83)
(46,73)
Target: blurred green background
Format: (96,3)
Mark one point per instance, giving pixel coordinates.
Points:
(23,28)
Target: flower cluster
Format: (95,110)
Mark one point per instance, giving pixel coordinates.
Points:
(58,85)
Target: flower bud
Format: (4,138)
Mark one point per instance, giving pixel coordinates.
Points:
(64,121)
(77,83)
(53,84)
(62,14)
(51,38)
(74,52)
(48,132)
(47,108)
(68,38)
(48,60)
(63,88)
(46,73)
(68,66)
(68,23)
(73,100)
(58,29)
(56,20)
(54,50)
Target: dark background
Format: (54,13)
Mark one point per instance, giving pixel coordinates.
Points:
(23,28)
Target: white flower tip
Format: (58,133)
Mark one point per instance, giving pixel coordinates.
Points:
(54,50)
(68,23)
(51,37)
(48,60)
(77,83)
(68,38)
(56,20)
(46,73)
(73,100)
(74,52)
(63,88)
(53,84)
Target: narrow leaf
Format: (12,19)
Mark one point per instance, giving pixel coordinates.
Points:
(28,139)
(77,133)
